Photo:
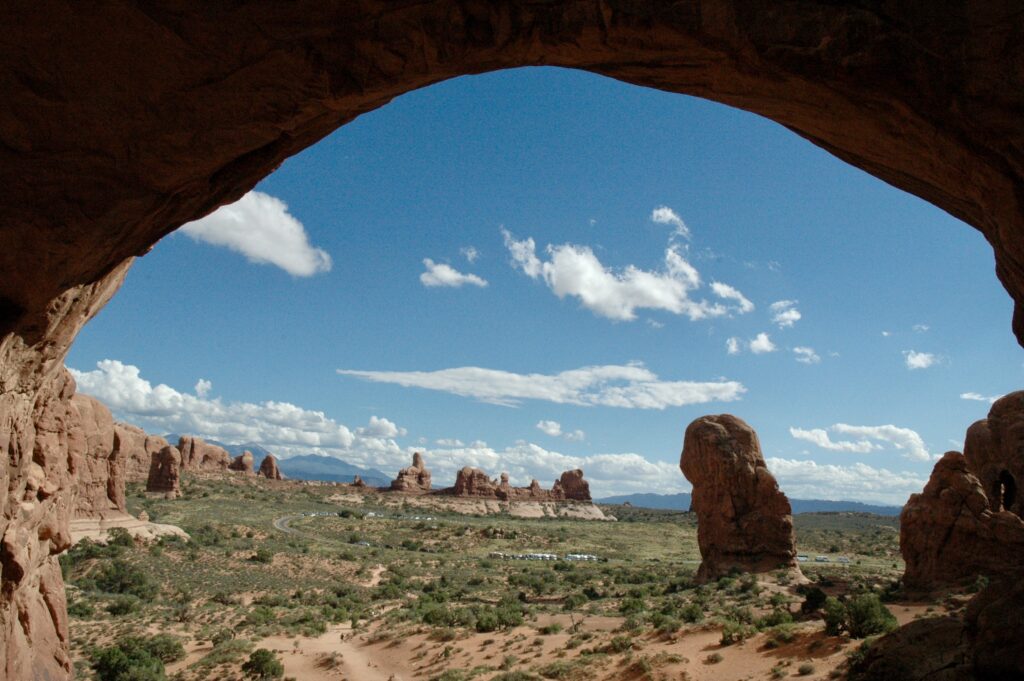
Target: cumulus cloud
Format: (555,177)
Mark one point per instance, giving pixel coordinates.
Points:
(810,480)
(260,227)
(630,386)
(784,313)
(664,215)
(381,427)
(732,345)
(903,439)
(978,397)
(576,271)
(203,387)
(727,292)
(470,253)
(806,355)
(762,344)
(919,360)
(440,274)
(551,428)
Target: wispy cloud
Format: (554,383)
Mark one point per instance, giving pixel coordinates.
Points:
(630,386)
(978,397)
(903,439)
(260,227)
(440,274)
(784,313)
(806,355)
(470,253)
(727,292)
(664,215)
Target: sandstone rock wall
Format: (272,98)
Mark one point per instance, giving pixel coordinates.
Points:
(744,521)
(165,473)
(994,451)
(243,463)
(414,479)
(269,469)
(198,455)
(100,471)
(137,448)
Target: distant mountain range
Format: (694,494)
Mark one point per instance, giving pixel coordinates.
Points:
(306,467)
(681,502)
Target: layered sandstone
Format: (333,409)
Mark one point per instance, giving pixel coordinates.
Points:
(165,473)
(199,455)
(744,522)
(269,469)
(414,479)
(243,463)
(473,482)
(949,535)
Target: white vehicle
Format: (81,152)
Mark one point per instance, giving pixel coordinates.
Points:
(803,558)
(821,559)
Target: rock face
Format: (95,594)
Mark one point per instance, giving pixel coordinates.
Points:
(269,469)
(197,455)
(949,535)
(994,450)
(744,521)
(100,475)
(165,473)
(243,463)
(414,479)
(473,482)
(926,96)
(571,486)
(137,448)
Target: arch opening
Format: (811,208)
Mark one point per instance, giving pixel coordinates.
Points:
(1006,491)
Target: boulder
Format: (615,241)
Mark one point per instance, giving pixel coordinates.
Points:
(414,479)
(269,469)
(165,473)
(198,455)
(744,522)
(243,463)
(949,535)
(994,451)
(571,486)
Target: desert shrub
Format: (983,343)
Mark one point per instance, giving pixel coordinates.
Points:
(835,616)
(814,599)
(691,612)
(80,609)
(805,669)
(121,577)
(631,606)
(137,658)
(549,629)
(263,555)
(120,537)
(123,605)
(574,601)
(515,676)
(867,615)
(774,618)
(734,632)
(263,664)
(164,647)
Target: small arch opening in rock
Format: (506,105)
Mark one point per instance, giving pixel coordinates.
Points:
(1006,491)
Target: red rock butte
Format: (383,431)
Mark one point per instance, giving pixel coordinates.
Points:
(119,123)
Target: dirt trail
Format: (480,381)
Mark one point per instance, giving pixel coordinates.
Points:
(375,576)
(311,660)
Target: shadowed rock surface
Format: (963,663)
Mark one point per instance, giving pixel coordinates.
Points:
(98,161)
(413,479)
(744,522)
(949,535)
(994,449)
(269,469)
(243,463)
(137,448)
(165,473)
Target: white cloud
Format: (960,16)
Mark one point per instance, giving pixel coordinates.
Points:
(727,292)
(664,215)
(447,442)
(259,227)
(732,345)
(440,274)
(820,438)
(919,360)
(203,387)
(762,344)
(903,439)
(978,397)
(576,271)
(576,436)
(381,427)
(631,386)
(806,355)
(470,253)
(551,428)
(784,313)
(805,479)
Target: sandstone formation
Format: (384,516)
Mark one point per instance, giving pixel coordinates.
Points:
(473,482)
(198,455)
(243,463)
(100,471)
(358,482)
(744,522)
(137,448)
(413,479)
(926,96)
(949,535)
(165,473)
(269,469)
(994,449)
(571,486)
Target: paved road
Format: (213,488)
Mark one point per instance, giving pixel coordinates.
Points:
(282,523)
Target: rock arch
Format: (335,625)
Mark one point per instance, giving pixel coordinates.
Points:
(119,122)
(1006,491)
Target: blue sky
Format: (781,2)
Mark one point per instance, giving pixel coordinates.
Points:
(380,294)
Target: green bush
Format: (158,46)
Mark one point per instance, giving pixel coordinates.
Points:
(137,658)
(263,664)
(124,605)
(835,616)
(867,616)
(814,599)
(121,577)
